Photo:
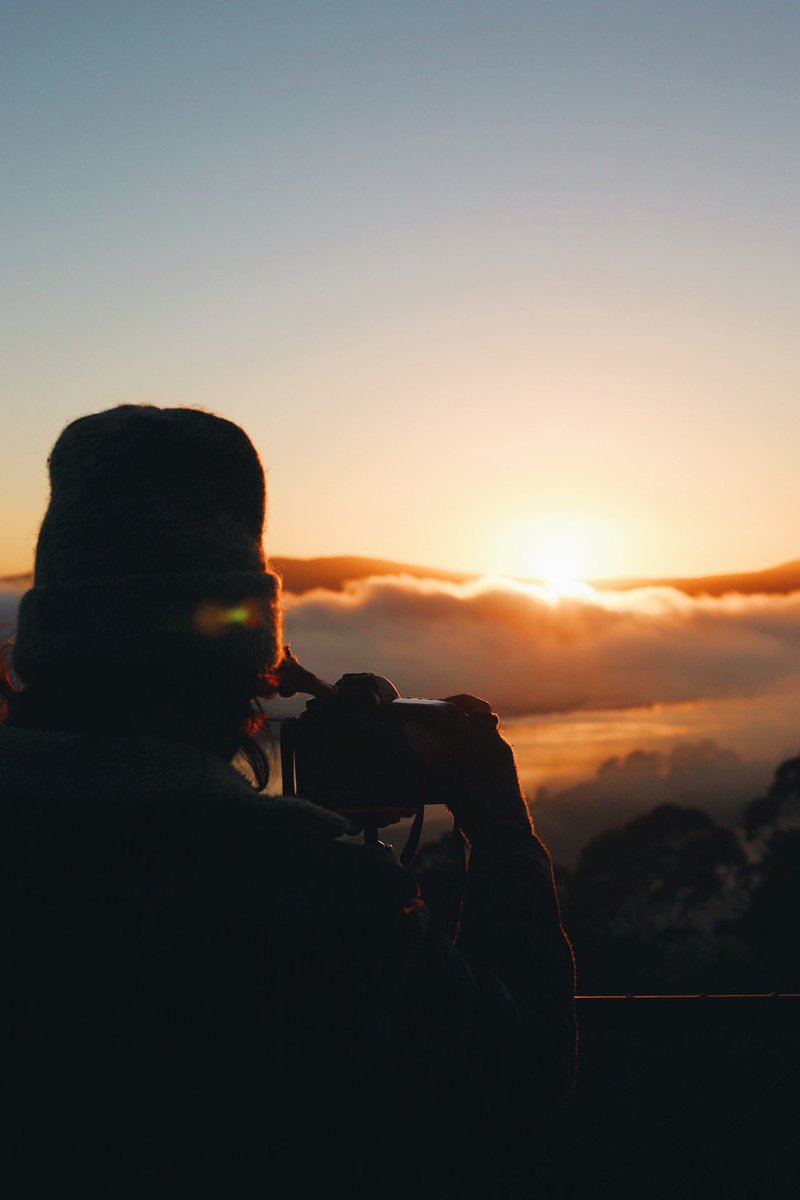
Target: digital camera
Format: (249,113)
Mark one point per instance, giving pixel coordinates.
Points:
(352,751)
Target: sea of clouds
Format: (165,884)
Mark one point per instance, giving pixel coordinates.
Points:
(529,651)
(596,689)
(9,599)
(614,701)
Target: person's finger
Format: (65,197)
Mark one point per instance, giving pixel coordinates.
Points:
(290,677)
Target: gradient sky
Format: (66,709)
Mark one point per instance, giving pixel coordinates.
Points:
(468,273)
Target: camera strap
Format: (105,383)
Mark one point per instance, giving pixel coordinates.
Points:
(412,842)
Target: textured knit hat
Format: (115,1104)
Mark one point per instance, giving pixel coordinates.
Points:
(150,552)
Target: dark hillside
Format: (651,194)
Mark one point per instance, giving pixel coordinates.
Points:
(782,579)
(303,574)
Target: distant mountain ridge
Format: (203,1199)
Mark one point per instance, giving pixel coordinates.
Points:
(302,574)
(333,573)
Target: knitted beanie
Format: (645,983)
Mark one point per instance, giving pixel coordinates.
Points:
(150,552)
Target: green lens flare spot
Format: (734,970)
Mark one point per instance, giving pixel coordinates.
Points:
(214,620)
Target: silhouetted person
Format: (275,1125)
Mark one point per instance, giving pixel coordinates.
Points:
(205,987)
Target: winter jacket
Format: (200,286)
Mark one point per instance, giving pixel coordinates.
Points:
(200,983)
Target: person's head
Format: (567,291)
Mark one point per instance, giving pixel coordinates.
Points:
(152,609)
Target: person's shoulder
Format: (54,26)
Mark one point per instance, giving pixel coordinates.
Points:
(321,842)
(345,918)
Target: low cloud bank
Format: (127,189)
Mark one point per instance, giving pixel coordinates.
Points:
(675,669)
(9,599)
(530,652)
(700,774)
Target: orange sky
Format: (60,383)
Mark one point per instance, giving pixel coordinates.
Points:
(505,289)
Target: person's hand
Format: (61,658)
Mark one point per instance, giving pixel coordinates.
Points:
(486,789)
(290,677)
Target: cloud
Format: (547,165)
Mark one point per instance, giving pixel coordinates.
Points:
(579,679)
(528,651)
(695,774)
(9,599)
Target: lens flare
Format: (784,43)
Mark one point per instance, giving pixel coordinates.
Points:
(214,620)
(559,551)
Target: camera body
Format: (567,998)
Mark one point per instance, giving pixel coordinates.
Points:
(351,752)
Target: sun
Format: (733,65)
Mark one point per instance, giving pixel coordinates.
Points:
(560,562)
(560,559)
(559,552)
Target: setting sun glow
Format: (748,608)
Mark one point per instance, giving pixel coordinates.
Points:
(560,561)
(560,552)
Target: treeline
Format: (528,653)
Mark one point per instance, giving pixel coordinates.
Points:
(672,901)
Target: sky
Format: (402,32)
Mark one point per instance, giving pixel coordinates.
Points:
(505,287)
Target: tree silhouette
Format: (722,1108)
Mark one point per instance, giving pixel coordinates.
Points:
(643,904)
(672,901)
(772,824)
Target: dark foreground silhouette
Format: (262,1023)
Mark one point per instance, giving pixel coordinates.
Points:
(209,989)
